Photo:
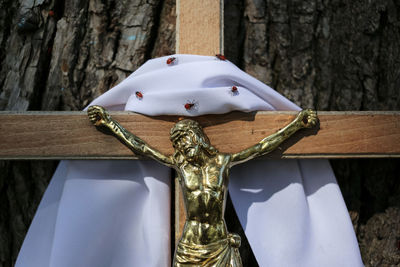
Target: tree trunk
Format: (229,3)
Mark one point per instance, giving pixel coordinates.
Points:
(59,55)
(332,55)
(328,55)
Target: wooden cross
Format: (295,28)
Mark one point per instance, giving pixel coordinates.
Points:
(58,135)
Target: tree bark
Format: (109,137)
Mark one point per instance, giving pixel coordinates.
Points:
(327,55)
(60,55)
(332,55)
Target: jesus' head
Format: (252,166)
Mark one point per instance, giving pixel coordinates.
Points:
(189,141)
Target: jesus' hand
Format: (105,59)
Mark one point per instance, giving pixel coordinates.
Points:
(98,116)
(307,118)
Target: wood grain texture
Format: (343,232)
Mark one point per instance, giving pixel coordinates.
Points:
(41,135)
(199,27)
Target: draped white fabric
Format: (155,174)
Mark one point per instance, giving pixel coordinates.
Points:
(117,213)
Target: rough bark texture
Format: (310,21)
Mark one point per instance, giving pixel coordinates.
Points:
(332,55)
(328,55)
(379,239)
(59,55)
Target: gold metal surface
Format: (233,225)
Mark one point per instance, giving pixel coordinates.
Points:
(203,175)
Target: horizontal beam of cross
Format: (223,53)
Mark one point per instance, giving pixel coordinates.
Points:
(70,135)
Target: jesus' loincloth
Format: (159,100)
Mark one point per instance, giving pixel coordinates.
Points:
(222,253)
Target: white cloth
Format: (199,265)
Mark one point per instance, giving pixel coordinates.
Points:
(116,213)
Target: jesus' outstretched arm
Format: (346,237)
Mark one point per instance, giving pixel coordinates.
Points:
(100,118)
(305,119)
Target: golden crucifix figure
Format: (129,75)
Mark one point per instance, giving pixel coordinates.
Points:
(203,175)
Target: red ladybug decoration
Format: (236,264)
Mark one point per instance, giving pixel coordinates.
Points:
(139,95)
(189,106)
(220,57)
(171,60)
(234,89)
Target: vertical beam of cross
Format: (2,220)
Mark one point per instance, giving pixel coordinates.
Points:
(199,27)
(199,31)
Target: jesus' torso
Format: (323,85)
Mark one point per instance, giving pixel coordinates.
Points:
(204,188)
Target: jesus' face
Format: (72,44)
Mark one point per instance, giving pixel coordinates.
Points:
(187,144)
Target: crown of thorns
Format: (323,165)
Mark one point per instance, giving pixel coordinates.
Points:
(183,126)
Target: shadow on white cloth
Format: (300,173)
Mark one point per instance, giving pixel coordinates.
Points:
(102,213)
(117,213)
(293,213)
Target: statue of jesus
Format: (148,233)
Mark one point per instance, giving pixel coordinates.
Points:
(203,175)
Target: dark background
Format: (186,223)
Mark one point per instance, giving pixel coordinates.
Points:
(326,55)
